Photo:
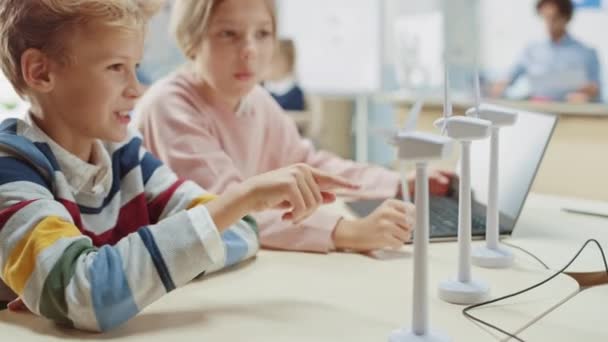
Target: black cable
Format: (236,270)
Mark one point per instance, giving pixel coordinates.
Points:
(527,252)
(466,310)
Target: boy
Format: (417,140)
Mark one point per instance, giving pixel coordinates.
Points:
(92,227)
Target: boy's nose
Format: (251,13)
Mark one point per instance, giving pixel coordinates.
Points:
(134,90)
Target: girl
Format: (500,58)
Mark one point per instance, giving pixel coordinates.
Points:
(212,123)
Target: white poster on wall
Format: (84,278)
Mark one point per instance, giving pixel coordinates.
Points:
(419,46)
(339,44)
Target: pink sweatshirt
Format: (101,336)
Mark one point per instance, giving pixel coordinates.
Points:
(216,149)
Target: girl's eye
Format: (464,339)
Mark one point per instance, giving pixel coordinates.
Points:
(263,34)
(227,34)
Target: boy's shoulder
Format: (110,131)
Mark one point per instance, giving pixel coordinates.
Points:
(23,147)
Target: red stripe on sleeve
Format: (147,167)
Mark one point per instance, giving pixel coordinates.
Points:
(7,213)
(157,205)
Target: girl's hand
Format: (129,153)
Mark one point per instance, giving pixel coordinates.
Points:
(389,226)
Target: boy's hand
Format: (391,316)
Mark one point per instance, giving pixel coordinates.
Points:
(390,225)
(298,188)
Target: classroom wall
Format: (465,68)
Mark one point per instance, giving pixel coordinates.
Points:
(393,9)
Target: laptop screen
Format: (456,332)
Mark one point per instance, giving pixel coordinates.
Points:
(521,150)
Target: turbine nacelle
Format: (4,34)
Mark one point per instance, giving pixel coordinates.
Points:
(499,117)
(464,127)
(421,147)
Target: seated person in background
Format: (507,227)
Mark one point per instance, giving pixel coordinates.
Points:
(93,228)
(213,123)
(560,68)
(281,80)
(161,54)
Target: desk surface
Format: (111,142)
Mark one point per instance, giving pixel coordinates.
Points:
(554,235)
(308,297)
(284,296)
(563,108)
(582,318)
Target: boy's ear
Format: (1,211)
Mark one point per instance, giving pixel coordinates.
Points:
(35,68)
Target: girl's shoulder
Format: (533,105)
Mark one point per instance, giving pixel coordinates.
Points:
(175,91)
(179,82)
(260,99)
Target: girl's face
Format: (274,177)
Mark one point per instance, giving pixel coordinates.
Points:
(237,47)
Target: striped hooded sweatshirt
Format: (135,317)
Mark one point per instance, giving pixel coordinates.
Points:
(90,245)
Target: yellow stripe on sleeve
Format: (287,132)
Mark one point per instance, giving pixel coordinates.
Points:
(22,259)
(201,200)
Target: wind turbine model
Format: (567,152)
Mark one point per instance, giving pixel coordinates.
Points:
(464,289)
(493,254)
(420,148)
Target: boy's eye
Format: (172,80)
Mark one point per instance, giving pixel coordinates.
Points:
(116,67)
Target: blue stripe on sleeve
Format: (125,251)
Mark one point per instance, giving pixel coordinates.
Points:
(157,258)
(236,247)
(149,164)
(112,298)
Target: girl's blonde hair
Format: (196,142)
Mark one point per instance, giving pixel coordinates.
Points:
(44,25)
(190,22)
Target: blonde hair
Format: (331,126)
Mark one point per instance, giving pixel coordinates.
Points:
(43,24)
(190,21)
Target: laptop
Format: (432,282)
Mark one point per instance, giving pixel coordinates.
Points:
(521,149)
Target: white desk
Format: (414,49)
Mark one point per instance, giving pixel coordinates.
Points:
(582,318)
(285,296)
(555,236)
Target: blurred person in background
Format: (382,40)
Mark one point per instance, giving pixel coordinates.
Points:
(560,67)
(281,81)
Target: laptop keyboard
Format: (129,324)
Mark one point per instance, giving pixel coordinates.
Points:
(444,218)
